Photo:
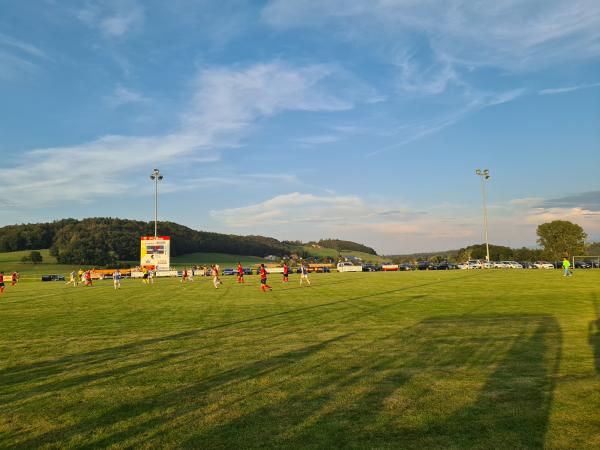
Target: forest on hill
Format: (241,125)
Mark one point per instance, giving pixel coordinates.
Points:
(106,240)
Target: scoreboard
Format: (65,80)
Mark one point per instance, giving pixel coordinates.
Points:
(155,252)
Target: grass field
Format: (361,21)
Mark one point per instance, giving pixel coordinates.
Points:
(457,359)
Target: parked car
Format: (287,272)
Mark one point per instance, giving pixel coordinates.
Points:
(425,265)
(513,264)
(582,265)
(228,271)
(53,278)
(527,264)
(445,265)
(369,267)
(499,265)
(462,266)
(475,264)
(348,267)
(543,265)
(405,267)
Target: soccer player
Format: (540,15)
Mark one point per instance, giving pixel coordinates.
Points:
(184,275)
(263,279)
(215,274)
(191,274)
(13,279)
(116,279)
(240,271)
(1,283)
(80,276)
(88,278)
(286,272)
(304,274)
(566,265)
(145,276)
(73,279)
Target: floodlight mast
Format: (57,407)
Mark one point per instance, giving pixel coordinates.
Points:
(156,177)
(485,175)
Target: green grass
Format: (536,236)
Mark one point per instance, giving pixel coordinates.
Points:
(11,262)
(457,359)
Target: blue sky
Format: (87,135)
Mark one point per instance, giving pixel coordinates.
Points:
(304,119)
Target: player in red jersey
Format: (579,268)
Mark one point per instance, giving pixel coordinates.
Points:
(13,279)
(1,283)
(263,279)
(88,278)
(215,274)
(240,271)
(286,272)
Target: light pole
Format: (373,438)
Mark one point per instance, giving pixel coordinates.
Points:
(156,177)
(485,175)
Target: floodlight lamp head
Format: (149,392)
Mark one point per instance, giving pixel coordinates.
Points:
(160,177)
(152,177)
(478,172)
(486,172)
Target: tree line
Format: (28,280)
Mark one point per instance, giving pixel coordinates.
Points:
(556,240)
(102,241)
(107,241)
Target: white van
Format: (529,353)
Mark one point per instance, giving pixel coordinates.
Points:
(348,267)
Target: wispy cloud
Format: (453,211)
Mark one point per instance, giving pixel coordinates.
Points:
(562,90)
(112,18)
(124,96)
(224,104)
(18,57)
(507,34)
(414,131)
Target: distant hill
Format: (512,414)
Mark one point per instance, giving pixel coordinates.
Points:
(340,245)
(106,240)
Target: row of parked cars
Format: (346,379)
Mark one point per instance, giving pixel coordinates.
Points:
(479,264)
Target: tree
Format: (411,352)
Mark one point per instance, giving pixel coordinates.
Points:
(561,238)
(35,257)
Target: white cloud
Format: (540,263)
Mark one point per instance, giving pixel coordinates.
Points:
(112,18)
(226,102)
(562,90)
(123,96)
(309,216)
(511,34)
(396,230)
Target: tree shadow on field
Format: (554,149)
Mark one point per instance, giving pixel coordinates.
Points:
(149,412)
(594,333)
(408,391)
(40,370)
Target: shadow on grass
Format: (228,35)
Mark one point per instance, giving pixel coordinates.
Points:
(40,370)
(445,382)
(183,400)
(407,397)
(594,334)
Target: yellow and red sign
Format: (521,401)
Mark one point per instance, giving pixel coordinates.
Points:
(155,252)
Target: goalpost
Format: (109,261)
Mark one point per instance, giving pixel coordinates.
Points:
(593,259)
